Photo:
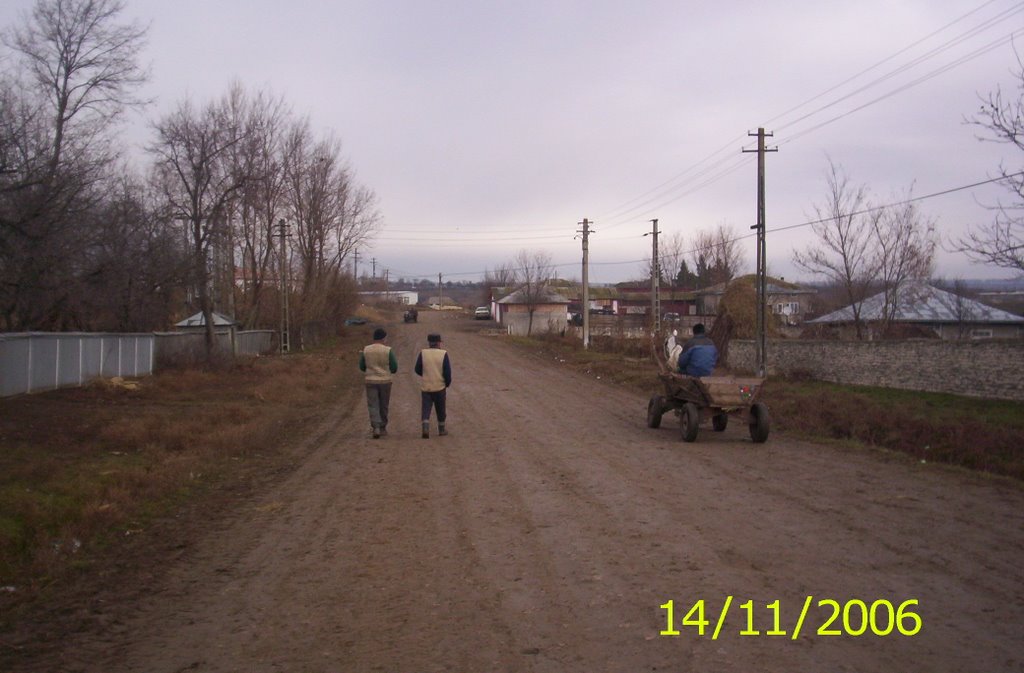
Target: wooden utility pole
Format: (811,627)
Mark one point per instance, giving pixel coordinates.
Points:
(440,294)
(655,280)
(285,338)
(586,231)
(762,283)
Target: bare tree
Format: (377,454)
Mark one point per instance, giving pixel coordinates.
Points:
(716,255)
(84,61)
(194,173)
(672,251)
(534,272)
(260,203)
(1001,241)
(671,258)
(333,215)
(135,263)
(843,252)
(960,303)
(78,71)
(904,248)
(502,275)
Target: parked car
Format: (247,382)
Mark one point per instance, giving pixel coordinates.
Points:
(355,320)
(482,313)
(672,318)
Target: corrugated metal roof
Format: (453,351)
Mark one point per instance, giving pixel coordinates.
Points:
(219,320)
(925,303)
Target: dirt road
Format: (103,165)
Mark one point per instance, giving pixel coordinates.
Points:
(548,529)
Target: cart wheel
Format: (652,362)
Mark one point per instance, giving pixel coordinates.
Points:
(689,418)
(719,422)
(760,422)
(655,408)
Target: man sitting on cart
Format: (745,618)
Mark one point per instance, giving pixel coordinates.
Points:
(699,354)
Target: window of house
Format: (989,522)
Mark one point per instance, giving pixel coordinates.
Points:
(981,334)
(787,308)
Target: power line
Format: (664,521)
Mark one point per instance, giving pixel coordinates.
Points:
(924,39)
(685,187)
(924,78)
(925,197)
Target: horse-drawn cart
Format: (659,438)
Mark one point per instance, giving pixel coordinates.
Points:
(714,398)
(709,398)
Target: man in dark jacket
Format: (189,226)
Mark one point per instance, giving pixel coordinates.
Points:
(699,354)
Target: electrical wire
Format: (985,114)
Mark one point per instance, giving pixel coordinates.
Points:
(685,187)
(721,162)
(772,230)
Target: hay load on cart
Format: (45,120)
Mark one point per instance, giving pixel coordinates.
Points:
(708,400)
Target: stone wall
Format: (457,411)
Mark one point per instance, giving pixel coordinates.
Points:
(983,368)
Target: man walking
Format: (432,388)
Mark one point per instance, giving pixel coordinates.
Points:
(435,370)
(379,363)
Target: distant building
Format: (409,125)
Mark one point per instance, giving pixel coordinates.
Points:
(789,301)
(947,315)
(549,314)
(196,322)
(397,296)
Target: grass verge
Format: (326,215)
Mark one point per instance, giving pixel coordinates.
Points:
(84,470)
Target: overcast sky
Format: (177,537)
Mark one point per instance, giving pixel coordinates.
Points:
(485,128)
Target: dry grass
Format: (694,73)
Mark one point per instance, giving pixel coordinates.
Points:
(83,468)
(979,434)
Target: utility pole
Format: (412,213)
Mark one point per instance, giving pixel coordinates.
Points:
(387,287)
(285,338)
(355,265)
(586,231)
(440,294)
(655,280)
(762,283)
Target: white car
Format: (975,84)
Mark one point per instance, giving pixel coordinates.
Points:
(482,313)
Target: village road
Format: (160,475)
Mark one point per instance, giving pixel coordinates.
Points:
(551,530)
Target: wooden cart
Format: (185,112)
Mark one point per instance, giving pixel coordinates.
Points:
(709,398)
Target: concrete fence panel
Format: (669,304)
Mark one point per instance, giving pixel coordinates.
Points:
(36,361)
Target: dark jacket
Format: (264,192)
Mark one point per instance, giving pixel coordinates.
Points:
(699,357)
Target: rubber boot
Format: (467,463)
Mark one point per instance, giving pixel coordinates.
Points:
(426,430)
(376,432)
(440,429)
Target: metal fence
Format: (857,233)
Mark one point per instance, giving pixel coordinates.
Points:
(35,361)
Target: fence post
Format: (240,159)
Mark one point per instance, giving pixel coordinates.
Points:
(28,384)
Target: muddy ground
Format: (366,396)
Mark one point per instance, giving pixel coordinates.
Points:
(545,533)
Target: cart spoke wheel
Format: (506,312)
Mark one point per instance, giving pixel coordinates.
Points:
(689,418)
(760,423)
(655,409)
